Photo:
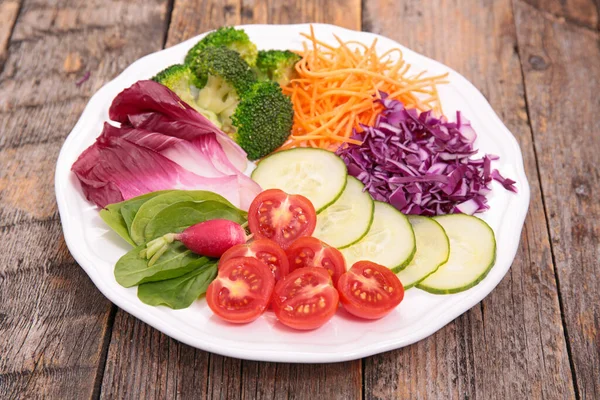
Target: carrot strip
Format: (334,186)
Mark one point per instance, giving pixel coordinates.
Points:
(338,88)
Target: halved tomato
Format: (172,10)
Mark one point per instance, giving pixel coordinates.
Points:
(311,252)
(281,217)
(266,251)
(241,291)
(370,290)
(305,299)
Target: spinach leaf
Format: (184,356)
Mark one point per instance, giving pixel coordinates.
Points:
(149,209)
(131,269)
(115,221)
(176,217)
(132,206)
(128,212)
(178,293)
(115,217)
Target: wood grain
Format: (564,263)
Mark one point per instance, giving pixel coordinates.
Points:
(55,327)
(212,380)
(345,13)
(191,18)
(584,13)
(53,323)
(510,346)
(561,64)
(301,381)
(52,319)
(38,91)
(158,362)
(8,15)
(166,369)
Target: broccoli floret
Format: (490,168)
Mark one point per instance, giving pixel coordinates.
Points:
(180,79)
(263,119)
(218,82)
(177,77)
(234,39)
(225,64)
(277,65)
(223,78)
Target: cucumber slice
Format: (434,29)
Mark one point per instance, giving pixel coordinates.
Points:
(317,174)
(472,255)
(433,250)
(389,242)
(347,220)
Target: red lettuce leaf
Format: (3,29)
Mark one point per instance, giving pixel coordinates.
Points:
(162,143)
(114,169)
(151,106)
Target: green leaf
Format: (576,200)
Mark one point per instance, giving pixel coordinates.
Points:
(176,217)
(118,221)
(131,269)
(128,213)
(178,293)
(129,210)
(115,221)
(149,209)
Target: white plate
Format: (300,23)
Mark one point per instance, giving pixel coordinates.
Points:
(96,248)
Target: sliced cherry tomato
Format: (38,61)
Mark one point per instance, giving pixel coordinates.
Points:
(370,290)
(266,251)
(281,217)
(305,299)
(311,252)
(241,291)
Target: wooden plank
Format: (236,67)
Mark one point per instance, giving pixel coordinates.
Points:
(9,9)
(584,13)
(305,381)
(190,18)
(213,14)
(166,369)
(345,13)
(511,346)
(52,319)
(302,381)
(38,87)
(53,323)
(212,373)
(561,64)
(134,343)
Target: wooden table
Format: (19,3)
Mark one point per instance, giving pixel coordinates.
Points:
(536,336)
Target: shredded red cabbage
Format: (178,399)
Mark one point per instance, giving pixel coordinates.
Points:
(421,164)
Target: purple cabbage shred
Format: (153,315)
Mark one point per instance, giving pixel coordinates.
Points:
(421,164)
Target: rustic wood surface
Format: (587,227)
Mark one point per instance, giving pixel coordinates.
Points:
(562,83)
(480,355)
(537,335)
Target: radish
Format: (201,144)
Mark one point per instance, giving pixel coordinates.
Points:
(210,238)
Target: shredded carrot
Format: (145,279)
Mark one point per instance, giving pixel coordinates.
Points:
(337,90)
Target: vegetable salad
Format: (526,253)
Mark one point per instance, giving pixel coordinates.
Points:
(363,188)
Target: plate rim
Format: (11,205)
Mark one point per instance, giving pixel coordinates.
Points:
(61,181)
